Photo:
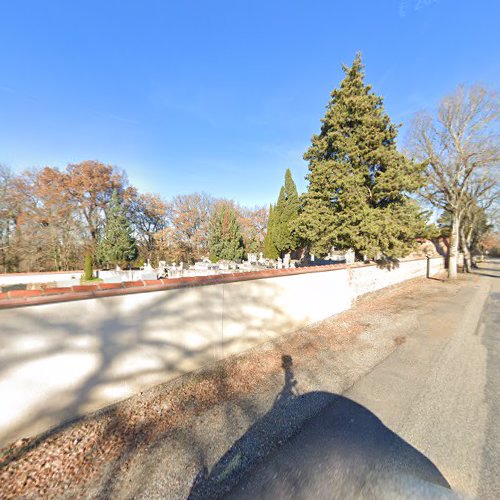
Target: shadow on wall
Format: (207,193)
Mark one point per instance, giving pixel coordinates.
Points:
(442,246)
(337,450)
(387,263)
(126,352)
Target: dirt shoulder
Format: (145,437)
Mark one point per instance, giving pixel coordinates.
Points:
(162,441)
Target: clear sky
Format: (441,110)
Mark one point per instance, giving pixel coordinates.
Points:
(219,96)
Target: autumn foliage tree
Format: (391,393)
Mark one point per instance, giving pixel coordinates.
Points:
(253,223)
(8,218)
(185,235)
(90,186)
(56,216)
(148,214)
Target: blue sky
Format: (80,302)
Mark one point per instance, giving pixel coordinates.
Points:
(219,96)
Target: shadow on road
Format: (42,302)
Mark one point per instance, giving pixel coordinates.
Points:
(480,270)
(487,275)
(343,435)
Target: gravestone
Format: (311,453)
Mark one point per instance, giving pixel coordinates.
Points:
(286,261)
(349,256)
(261,260)
(252,258)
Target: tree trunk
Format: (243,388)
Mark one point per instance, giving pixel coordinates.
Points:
(453,253)
(466,250)
(468,239)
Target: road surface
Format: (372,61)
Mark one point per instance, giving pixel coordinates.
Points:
(425,422)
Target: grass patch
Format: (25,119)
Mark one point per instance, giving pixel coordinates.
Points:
(91,281)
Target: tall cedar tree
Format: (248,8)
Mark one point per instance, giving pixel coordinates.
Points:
(359,183)
(224,237)
(117,244)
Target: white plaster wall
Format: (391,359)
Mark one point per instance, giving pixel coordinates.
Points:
(259,310)
(371,278)
(64,359)
(18,279)
(68,278)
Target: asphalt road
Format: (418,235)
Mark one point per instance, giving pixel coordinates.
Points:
(425,422)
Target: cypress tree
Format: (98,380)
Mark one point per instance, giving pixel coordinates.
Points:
(270,250)
(359,183)
(281,227)
(117,244)
(224,237)
(286,215)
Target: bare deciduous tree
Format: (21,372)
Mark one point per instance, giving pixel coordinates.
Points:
(460,147)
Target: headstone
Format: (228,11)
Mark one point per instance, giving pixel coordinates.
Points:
(286,261)
(280,263)
(349,256)
(161,272)
(148,267)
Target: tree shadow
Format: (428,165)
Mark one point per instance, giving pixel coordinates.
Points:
(481,270)
(434,278)
(488,275)
(317,428)
(132,349)
(387,263)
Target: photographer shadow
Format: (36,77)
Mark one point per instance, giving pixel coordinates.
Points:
(301,435)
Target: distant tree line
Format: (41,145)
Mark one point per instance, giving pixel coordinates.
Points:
(51,218)
(363,194)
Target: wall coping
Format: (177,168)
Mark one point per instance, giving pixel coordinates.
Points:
(23,298)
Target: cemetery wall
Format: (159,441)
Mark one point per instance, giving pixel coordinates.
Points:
(61,278)
(61,357)
(371,278)
(24,278)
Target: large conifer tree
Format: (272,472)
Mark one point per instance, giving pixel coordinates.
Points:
(117,244)
(359,183)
